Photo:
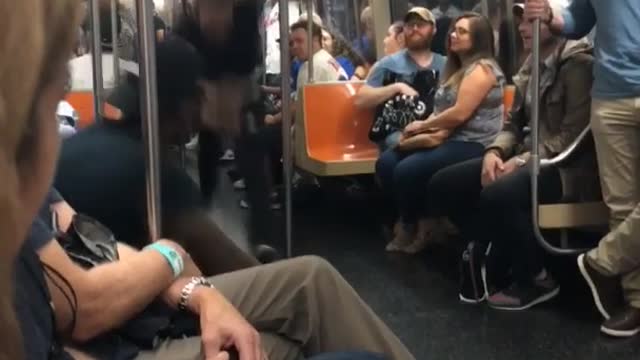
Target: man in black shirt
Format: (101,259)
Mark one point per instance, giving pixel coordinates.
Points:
(101,171)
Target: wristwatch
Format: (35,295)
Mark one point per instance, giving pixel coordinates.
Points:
(187,290)
(520,161)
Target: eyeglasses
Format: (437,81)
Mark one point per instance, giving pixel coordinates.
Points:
(459,31)
(416,24)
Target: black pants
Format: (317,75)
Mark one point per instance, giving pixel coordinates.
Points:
(258,155)
(209,152)
(499,214)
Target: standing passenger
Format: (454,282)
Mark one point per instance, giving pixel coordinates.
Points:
(615,122)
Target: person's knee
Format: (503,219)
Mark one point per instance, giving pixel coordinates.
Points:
(493,197)
(314,269)
(408,176)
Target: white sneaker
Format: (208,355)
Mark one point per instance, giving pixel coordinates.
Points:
(193,144)
(228,155)
(239,184)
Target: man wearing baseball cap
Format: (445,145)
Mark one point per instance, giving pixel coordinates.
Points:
(419,29)
(615,123)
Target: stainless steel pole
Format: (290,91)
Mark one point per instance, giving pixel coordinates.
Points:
(149,107)
(484,6)
(512,33)
(535,146)
(310,22)
(96,58)
(115,37)
(286,119)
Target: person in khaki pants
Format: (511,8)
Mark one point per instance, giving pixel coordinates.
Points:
(615,121)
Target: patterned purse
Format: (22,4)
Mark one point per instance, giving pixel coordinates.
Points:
(400,110)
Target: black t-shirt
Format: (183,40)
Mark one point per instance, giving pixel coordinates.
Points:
(32,300)
(101,173)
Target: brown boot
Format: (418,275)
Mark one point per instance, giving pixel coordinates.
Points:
(429,232)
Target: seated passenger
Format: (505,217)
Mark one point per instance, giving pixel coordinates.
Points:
(405,64)
(352,63)
(467,117)
(395,40)
(272,309)
(302,306)
(101,171)
(489,198)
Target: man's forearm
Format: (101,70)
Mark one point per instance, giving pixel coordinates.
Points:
(369,97)
(113,293)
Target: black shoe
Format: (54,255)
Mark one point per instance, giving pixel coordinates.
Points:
(623,324)
(473,288)
(266,254)
(520,297)
(606,290)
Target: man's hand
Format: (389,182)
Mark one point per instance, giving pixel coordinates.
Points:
(538,9)
(270,120)
(223,327)
(508,167)
(404,89)
(492,166)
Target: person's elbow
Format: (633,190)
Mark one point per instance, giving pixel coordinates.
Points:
(362,99)
(93,315)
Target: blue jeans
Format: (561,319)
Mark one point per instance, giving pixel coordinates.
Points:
(404,175)
(390,141)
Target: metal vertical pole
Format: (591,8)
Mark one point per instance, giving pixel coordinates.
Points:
(96,58)
(484,6)
(115,35)
(310,21)
(512,33)
(356,15)
(149,107)
(286,120)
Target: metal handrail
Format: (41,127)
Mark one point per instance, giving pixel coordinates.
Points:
(115,36)
(96,59)
(149,108)
(569,152)
(310,23)
(287,155)
(535,163)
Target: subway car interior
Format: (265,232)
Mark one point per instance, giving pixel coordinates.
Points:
(308,150)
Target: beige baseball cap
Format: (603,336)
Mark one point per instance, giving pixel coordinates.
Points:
(423,13)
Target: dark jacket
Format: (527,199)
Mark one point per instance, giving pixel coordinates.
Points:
(565,109)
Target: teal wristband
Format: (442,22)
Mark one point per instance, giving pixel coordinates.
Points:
(173,258)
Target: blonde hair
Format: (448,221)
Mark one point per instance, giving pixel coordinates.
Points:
(36,38)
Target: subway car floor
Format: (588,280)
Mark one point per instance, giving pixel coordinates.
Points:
(417,295)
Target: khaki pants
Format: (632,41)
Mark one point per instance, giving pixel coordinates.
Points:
(616,130)
(302,307)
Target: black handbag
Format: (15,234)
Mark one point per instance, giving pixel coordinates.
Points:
(400,110)
(87,242)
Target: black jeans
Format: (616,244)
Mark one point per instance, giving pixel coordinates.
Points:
(499,214)
(258,157)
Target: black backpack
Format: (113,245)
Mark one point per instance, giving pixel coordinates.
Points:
(400,110)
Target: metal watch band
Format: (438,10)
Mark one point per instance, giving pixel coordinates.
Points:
(187,290)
